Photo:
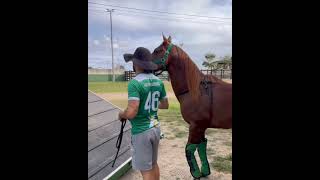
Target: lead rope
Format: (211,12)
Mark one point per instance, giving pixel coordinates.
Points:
(119,140)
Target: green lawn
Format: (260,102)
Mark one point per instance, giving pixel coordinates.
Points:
(122,86)
(222,164)
(108,87)
(104,77)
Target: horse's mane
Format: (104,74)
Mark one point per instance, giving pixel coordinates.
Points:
(194,76)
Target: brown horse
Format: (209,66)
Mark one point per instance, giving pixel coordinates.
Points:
(205,101)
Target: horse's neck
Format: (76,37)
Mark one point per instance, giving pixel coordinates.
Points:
(178,82)
(177,72)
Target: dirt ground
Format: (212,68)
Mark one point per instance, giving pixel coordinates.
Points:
(173,164)
(171,158)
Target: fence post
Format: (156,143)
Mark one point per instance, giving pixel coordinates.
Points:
(127,75)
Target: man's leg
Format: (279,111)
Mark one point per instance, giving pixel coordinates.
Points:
(153,174)
(157,171)
(155,146)
(142,155)
(148,175)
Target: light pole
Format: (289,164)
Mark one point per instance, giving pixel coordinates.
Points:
(110,11)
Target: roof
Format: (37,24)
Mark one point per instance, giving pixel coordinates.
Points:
(223,62)
(103,131)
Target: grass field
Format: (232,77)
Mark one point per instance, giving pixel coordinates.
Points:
(173,125)
(107,87)
(104,77)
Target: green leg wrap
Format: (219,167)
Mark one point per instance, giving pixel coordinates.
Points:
(194,168)
(202,150)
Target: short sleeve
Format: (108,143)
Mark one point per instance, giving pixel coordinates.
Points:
(163,94)
(133,93)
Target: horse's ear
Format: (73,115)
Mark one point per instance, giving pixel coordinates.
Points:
(169,39)
(164,38)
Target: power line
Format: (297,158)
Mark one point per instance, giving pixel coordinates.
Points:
(170,18)
(154,15)
(97,10)
(194,15)
(156,18)
(125,10)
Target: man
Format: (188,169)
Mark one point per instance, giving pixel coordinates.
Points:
(146,94)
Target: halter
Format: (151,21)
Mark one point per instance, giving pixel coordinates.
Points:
(164,60)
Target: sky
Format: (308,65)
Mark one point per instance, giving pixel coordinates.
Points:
(134,28)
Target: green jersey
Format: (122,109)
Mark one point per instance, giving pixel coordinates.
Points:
(149,90)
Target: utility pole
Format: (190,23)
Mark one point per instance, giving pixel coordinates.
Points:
(113,76)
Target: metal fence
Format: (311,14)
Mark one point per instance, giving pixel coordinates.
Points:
(128,75)
(220,73)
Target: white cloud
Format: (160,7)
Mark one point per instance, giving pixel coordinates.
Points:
(106,37)
(96,42)
(116,46)
(130,32)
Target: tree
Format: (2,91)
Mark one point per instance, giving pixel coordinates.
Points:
(227,58)
(210,61)
(227,61)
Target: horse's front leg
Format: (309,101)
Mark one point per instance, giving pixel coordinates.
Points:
(196,135)
(202,150)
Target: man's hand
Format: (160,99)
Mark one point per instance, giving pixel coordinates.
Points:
(164,104)
(130,112)
(120,116)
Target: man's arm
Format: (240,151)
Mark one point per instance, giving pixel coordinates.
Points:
(131,111)
(133,102)
(164,104)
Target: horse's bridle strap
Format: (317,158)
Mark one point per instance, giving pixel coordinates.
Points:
(164,59)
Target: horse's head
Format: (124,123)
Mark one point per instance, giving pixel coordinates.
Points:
(173,59)
(161,55)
